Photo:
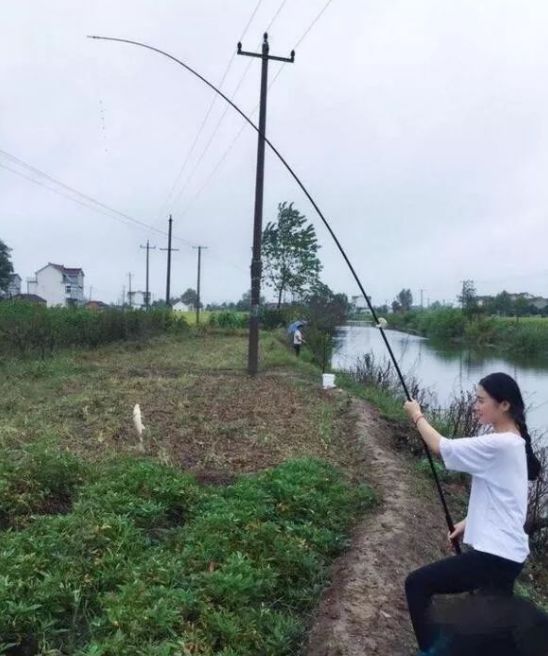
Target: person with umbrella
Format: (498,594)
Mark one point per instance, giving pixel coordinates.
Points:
(297,339)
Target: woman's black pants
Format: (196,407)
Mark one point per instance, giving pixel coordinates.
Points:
(466,572)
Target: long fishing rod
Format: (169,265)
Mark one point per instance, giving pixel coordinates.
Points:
(378,322)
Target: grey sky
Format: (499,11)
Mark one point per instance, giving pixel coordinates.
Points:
(420,127)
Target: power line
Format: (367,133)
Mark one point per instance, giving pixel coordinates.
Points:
(304,35)
(109,212)
(82,199)
(225,112)
(211,138)
(309,28)
(207,114)
(217,166)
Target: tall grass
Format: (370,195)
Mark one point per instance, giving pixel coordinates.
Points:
(30,329)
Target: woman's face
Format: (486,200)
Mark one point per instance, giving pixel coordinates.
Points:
(487,409)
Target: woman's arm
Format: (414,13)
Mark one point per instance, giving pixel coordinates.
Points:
(428,433)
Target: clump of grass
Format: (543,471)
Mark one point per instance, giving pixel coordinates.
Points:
(37,480)
(235,577)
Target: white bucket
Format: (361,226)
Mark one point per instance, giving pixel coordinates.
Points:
(328,381)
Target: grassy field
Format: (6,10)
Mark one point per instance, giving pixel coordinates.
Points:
(216,540)
(200,409)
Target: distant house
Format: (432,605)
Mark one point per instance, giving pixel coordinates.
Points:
(483,300)
(540,303)
(522,295)
(59,285)
(29,298)
(182,307)
(14,285)
(136,299)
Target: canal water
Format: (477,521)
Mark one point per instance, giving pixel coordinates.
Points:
(447,369)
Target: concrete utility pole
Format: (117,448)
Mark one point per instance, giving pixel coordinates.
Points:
(199,249)
(256,266)
(169,249)
(148,247)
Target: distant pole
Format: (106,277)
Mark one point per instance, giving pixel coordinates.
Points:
(199,249)
(147,293)
(256,266)
(129,292)
(169,249)
(422,298)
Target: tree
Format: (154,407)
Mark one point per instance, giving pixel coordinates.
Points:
(6,267)
(404,299)
(325,309)
(289,251)
(190,297)
(468,299)
(244,304)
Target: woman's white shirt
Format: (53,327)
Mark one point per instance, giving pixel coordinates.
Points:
(497,508)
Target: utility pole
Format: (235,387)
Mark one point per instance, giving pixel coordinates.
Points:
(199,249)
(422,298)
(256,266)
(129,291)
(169,249)
(147,293)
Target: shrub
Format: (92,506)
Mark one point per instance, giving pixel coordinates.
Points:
(229,319)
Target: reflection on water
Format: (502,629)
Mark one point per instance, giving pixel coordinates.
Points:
(446,369)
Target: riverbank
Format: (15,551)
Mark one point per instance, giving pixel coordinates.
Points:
(524,335)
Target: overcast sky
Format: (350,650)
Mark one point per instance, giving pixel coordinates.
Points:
(419,126)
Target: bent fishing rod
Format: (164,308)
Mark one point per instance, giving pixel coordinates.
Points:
(379,322)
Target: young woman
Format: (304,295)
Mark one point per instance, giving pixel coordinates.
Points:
(501,463)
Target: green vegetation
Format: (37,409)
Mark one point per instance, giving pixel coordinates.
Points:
(6,266)
(290,247)
(527,335)
(229,319)
(216,540)
(31,329)
(149,562)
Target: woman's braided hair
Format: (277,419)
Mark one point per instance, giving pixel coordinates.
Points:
(503,387)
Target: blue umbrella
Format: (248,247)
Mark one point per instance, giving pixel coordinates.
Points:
(293,326)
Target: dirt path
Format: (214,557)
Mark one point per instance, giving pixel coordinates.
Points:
(364,612)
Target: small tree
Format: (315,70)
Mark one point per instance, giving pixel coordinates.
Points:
(468,299)
(289,248)
(405,299)
(325,310)
(6,267)
(244,304)
(190,297)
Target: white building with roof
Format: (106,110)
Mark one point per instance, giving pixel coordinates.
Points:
(58,285)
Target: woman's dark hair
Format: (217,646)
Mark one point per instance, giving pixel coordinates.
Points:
(503,387)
